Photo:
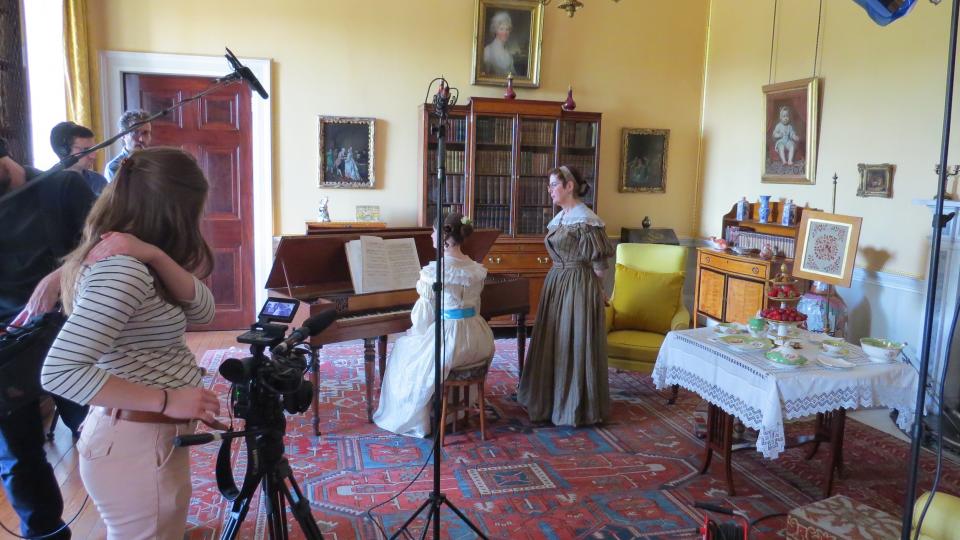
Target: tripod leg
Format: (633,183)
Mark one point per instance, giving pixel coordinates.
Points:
(299,506)
(238,511)
(273,502)
(421,508)
(463,518)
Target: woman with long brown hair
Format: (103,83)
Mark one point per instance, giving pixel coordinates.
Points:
(130,291)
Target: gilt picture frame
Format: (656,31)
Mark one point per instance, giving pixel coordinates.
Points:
(507,37)
(790,125)
(643,160)
(346,152)
(876,180)
(827,247)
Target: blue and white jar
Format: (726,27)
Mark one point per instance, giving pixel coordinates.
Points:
(788,210)
(764,212)
(743,209)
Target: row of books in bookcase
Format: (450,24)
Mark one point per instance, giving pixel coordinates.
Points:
(582,162)
(494,162)
(493,130)
(492,190)
(454,160)
(447,208)
(536,163)
(578,134)
(537,133)
(533,191)
(453,189)
(533,220)
(456,130)
(492,217)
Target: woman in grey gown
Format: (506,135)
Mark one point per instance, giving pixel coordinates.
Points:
(564,378)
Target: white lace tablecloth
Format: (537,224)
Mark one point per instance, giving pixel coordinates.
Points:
(763,394)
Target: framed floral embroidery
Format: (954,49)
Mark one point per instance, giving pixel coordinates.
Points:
(827,247)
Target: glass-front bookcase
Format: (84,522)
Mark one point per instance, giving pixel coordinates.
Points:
(454,193)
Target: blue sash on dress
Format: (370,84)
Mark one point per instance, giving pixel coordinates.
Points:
(462,313)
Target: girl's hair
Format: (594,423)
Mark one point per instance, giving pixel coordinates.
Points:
(785,109)
(569,173)
(158,195)
(455,229)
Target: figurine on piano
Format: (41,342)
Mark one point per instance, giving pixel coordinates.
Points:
(408,387)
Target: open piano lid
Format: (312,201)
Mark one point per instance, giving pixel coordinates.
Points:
(306,267)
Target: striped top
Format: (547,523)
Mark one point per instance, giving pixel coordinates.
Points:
(121,327)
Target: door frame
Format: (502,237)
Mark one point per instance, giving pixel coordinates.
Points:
(113,64)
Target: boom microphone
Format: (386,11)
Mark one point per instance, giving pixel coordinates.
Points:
(245,74)
(312,326)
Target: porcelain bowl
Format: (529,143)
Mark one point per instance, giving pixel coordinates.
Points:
(833,346)
(880,349)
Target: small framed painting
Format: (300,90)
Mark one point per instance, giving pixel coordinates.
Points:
(643,160)
(876,180)
(790,120)
(346,152)
(827,247)
(506,41)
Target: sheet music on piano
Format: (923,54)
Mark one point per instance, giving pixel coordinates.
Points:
(378,265)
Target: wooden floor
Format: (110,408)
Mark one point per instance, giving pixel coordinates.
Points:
(63,456)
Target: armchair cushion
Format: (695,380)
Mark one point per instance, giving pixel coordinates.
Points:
(633,345)
(645,301)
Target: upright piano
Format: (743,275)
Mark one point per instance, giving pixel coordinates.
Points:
(313,269)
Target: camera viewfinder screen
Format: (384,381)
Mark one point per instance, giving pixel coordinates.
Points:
(279,309)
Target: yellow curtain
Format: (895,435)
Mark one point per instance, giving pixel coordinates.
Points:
(77,62)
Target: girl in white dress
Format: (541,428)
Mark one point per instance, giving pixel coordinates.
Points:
(408,381)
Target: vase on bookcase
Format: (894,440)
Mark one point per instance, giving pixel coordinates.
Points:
(569,104)
(509,94)
(764,211)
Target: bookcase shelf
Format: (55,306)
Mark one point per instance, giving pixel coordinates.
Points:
(502,160)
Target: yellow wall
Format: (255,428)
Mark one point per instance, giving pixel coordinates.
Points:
(882,102)
(639,63)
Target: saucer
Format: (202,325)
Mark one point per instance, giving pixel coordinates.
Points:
(729,329)
(842,353)
(832,362)
(786,358)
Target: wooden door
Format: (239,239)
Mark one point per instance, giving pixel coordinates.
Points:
(216,129)
(710,293)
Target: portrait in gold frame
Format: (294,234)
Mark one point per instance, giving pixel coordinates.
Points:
(506,41)
(790,122)
(346,156)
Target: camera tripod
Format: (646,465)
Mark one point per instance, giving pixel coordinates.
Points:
(275,478)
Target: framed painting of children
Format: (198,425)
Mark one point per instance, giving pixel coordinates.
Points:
(790,121)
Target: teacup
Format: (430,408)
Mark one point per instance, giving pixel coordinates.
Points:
(833,346)
(727,328)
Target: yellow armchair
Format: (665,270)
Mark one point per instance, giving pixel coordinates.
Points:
(634,349)
(942,521)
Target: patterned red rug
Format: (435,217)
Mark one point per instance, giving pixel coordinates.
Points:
(635,477)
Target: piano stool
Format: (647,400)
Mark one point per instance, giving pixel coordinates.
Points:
(464,378)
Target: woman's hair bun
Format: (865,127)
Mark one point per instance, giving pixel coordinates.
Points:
(457,227)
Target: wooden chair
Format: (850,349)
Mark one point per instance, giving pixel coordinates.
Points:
(464,379)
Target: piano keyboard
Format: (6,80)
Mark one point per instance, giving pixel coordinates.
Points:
(367,317)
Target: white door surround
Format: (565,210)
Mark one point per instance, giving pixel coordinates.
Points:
(113,64)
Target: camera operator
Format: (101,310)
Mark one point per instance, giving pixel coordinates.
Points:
(129,290)
(40,225)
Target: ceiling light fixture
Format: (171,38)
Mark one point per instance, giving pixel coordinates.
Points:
(570,6)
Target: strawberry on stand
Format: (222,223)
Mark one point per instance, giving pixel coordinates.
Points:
(783,314)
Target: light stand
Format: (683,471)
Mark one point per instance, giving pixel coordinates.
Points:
(238,75)
(441,103)
(938,221)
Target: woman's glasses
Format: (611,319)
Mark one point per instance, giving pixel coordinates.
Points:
(552,185)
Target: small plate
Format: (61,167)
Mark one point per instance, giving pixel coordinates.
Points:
(832,362)
(786,358)
(746,343)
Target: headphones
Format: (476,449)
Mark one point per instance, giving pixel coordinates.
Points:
(62,139)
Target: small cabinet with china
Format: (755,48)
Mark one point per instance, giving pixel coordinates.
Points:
(733,284)
(497,163)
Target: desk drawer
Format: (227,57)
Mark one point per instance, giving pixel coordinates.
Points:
(500,262)
(734,266)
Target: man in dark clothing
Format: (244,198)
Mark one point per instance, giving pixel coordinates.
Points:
(41,222)
(68,138)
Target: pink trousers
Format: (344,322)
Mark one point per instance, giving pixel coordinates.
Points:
(138,480)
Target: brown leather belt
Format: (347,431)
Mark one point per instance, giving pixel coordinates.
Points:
(142,416)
